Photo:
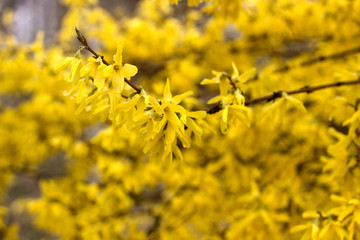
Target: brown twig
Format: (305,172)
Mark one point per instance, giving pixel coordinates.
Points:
(312,61)
(306,89)
(320,59)
(230,79)
(84,42)
(278,94)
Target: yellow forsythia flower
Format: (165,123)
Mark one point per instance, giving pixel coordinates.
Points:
(117,72)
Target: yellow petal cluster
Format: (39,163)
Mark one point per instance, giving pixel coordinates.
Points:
(73,132)
(231,98)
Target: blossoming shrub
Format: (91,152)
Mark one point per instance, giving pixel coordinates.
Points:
(201,120)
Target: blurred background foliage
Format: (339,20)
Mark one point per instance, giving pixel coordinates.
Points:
(284,174)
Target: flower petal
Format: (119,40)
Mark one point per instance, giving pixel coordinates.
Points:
(210,81)
(224,87)
(297,103)
(197,114)
(99,79)
(118,56)
(75,70)
(236,71)
(170,135)
(85,70)
(214,100)
(247,75)
(129,71)
(127,106)
(154,103)
(167,92)
(194,127)
(64,64)
(225,114)
(108,71)
(177,108)
(173,119)
(178,98)
(177,152)
(299,228)
(159,126)
(118,83)
(338,199)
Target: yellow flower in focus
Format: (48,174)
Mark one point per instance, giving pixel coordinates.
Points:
(231,98)
(244,77)
(117,72)
(171,122)
(76,64)
(95,69)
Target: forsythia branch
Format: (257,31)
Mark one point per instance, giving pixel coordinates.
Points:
(321,59)
(230,80)
(306,89)
(312,61)
(84,42)
(278,94)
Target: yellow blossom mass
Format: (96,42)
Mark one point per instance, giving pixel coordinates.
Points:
(198,119)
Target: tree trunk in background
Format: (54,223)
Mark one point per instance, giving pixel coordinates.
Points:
(31,16)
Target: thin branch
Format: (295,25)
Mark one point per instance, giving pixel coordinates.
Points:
(312,61)
(230,79)
(320,59)
(84,42)
(306,89)
(278,94)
